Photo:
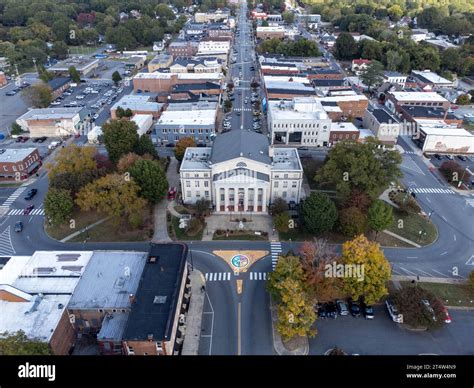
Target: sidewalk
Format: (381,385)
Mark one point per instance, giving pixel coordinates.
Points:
(427,279)
(278,342)
(255,222)
(194,317)
(88,227)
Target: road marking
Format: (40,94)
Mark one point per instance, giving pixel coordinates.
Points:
(444,253)
(454,236)
(6,246)
(470,261)
(442,274)
(212,323)
(407,271)
(412,257)
(424,272)
(239,311)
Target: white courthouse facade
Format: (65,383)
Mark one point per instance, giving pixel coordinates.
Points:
(241,173)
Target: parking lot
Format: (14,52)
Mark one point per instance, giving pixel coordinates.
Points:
(383,336)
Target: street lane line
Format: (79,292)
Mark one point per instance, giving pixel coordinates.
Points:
(444,253)
(442,274)
(408,272)
(239,312)
(424,272)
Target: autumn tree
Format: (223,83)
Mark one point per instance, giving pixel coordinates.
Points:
(120,138)
(319,213)
(352,221)
(115,196)
(279,206)
(315,257)
(358,199)
(380,216)
(282,222)
(126,161)
(72,159)
(18,344)
(150,178)
(376,269)
(181,146)
(39,95)
(58,205)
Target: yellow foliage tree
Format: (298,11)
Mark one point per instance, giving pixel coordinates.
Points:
(115,196)
(376,269)
(73,160)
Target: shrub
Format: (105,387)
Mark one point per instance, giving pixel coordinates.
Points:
(453,172)
(471,279)
(352,222)
(282,221)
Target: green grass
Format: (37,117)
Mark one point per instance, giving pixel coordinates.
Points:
(412,224)
(450,294)
(81,219)
(181,234)
(82,50)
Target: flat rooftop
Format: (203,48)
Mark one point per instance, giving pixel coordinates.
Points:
(187,118)
(297,109)
(431,77)
(286,78)
(286,159)
(138,102)
(80,63)
(181,76)
(13,155)
(433,129)
(196,158)
(418,96)
(50,113)
(343,127)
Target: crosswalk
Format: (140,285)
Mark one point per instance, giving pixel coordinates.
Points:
(470,202)
(275,250)
(431,190)
(6,246)
(13,196)
(34,212)
(258,276)
(243,110)
(411,270)
(217,276)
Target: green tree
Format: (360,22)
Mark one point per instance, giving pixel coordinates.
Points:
(120,138)
(181,146)
(119,112)
(18,344)
(116,77)
(39,95)
(151,179)
(145,146)
(288,17)
(374,271)
(346,47)
(282,222)
(227,105)
(319,213)
(16,129)
(361,166)
(58,205)
(352,221)
(372,75)
(464,99)
(380,216)
(393,59)
(59,50)
(74,74)
(279,205)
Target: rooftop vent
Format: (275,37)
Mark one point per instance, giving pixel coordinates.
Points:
(159,299)
(153,259)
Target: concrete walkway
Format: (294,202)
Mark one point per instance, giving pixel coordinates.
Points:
(427,279)
(88,227)
(402,238)
(261,223)
(161,230)
(194,317)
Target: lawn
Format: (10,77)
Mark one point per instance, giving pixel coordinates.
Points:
(239,235)
(410,225)
(81,219)
(180,234)
(450,294)
(82,50)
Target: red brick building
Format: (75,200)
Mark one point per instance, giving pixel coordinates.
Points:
(19,163)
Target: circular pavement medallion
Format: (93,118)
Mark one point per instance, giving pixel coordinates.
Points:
(240,261)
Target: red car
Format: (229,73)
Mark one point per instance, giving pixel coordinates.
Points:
(24,139)
(447,319)
(454,107)
(171,193)
(28,210)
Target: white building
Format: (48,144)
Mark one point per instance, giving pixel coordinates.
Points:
(213,47)
(394,78)
(52,122)
(431,78)
(241,173)
(300,121)
(384,126)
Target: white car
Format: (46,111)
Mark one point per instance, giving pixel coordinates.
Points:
(80,97)
(393,312)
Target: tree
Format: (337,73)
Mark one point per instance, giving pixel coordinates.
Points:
(352,221)
(408,301)
(145,147)
(282,222)
(373,266)
(346,47)
(471,279)
(315,256)
(181,146)
(120,138)
(372,75)
(39,95)
(18,344)
(58,205)
(59,50)
(380,216)
(74,74)
(119,112)
(126,161)
(454,172)
(288,17)
(279,206)
(114,196)
(395,12)
(151,179)
(73,159)
(358,199)
(463,99)
(295,311)
(116,77)
(227,105)
(360,165)
(16,129)
(202,206)
(393,60)
(319,213)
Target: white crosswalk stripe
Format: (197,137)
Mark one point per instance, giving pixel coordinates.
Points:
(6,246)
(431,190)
(14,196)
(217,276)
(470,202)
(275,251)
(258,276)
(34,212)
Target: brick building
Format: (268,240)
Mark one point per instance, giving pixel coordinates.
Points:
(183,48)
(164,82)
(343,132)
(19,163)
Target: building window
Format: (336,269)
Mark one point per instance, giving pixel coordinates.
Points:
(285,194)
(196,184)
(206,183)
(285,184)
(188,194)
(294,184)
(198,194)
(206,193)
(188,183)
(275,185)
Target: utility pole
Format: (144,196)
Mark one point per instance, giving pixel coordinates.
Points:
(34,62)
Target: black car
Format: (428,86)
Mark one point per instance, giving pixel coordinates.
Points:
(354,308)
(322,314)
(331,310)
(367,311)
(31,193)
(10,93)
(19,227)
(170,145)
(462,157)
(438,156)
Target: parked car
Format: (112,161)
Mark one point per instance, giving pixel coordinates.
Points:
(354,308)
(18,139)
(24,139)
(28,210)
(393,312)
(367,311)
(42,139)
(172,193)
(462,157)
(322,311)
(450,157)
(447,318)
(10,93)
(342,307)
(18,226)
(331,310)
(170,145)
(429,309)
(438,156)
(30,194)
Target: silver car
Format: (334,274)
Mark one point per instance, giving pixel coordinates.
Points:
(342,307)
